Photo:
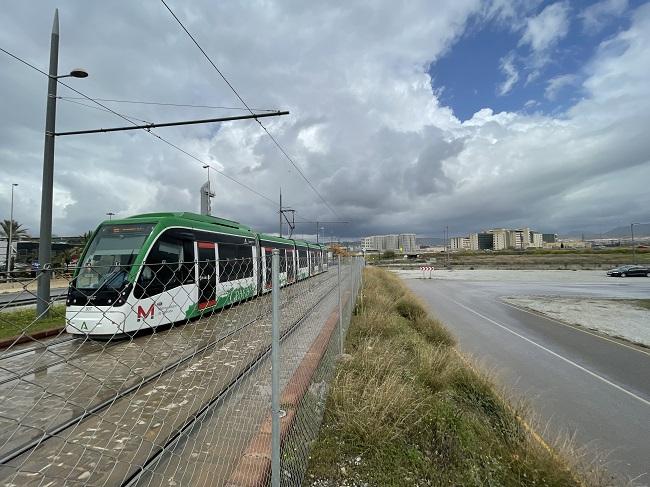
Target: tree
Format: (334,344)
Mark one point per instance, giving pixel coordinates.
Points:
(85,238)
(337,249)
(17,231)
(389,254)
(67,256)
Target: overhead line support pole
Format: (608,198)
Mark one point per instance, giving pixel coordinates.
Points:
(47,188)
(173,124)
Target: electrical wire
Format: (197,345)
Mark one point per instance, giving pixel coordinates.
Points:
(141,102)
(70,100)
(159,137)
(284,152)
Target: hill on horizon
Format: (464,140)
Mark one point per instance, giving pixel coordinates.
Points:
(624,231)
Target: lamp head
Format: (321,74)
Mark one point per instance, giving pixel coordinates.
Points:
(79,73)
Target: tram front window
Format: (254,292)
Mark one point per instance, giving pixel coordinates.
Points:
(111,254)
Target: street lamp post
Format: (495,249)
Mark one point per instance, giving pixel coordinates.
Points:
(45,235)
(633,246)
(11,232)
(110,215)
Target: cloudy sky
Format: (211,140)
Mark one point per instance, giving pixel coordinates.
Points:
(406,116)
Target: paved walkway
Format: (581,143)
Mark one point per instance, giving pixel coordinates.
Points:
(208,455)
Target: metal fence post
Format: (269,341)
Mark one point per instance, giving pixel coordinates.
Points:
(340,306)
(275,370)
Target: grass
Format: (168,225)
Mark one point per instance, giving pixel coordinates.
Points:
(15,323)
(404,409)
(641,303)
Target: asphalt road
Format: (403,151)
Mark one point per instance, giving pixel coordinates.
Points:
(576,381)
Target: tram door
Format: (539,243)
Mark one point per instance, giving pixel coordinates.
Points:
(291,268)
(207,274)
(268,277)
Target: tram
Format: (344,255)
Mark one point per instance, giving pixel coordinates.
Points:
(154,269)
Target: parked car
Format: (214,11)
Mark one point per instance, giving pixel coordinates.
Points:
(629,271)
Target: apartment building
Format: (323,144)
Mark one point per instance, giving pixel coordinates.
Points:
(499,239)
(374,242)
(404,242)
(460,243)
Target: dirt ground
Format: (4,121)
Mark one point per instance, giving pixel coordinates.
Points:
(30,285)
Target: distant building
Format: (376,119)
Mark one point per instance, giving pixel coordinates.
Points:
(549,237)
(473,241)
(536,240)
(568,244)
(498,239)
(485,241)
(391,242)
(374,242)
(404,242)
(460,243)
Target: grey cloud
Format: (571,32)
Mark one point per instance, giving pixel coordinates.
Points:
(389,157)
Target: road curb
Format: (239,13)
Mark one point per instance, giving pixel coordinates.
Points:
(254,467)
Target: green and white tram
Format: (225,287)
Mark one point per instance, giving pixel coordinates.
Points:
(159,268)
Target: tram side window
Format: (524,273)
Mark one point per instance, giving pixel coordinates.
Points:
(164,268)
(235,262)
(302,258)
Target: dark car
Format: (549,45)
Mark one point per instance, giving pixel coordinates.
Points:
(629,271)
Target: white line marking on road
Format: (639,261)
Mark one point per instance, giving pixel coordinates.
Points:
(571,362)
(539,314)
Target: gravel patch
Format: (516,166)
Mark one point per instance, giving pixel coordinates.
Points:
(610,316)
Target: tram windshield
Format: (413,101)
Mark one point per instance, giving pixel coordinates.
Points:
(111,254)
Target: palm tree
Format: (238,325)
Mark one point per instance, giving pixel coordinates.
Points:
(17,231)
(85,238)
(66,256)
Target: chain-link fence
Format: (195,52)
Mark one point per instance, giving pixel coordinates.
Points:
(159,372)
(304,397)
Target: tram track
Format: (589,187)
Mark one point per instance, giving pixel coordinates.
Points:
(74,355)
(43,346)
(148,379)
(107,402)
(15,303)
(210,405)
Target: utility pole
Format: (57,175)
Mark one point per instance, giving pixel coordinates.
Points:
(45,235)
(447,245)
(11,232)
(633,246)
(280,211)
(47,190)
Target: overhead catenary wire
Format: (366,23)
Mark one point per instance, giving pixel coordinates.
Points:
(184,105)
(130,120)
(70,100)
(277,144)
